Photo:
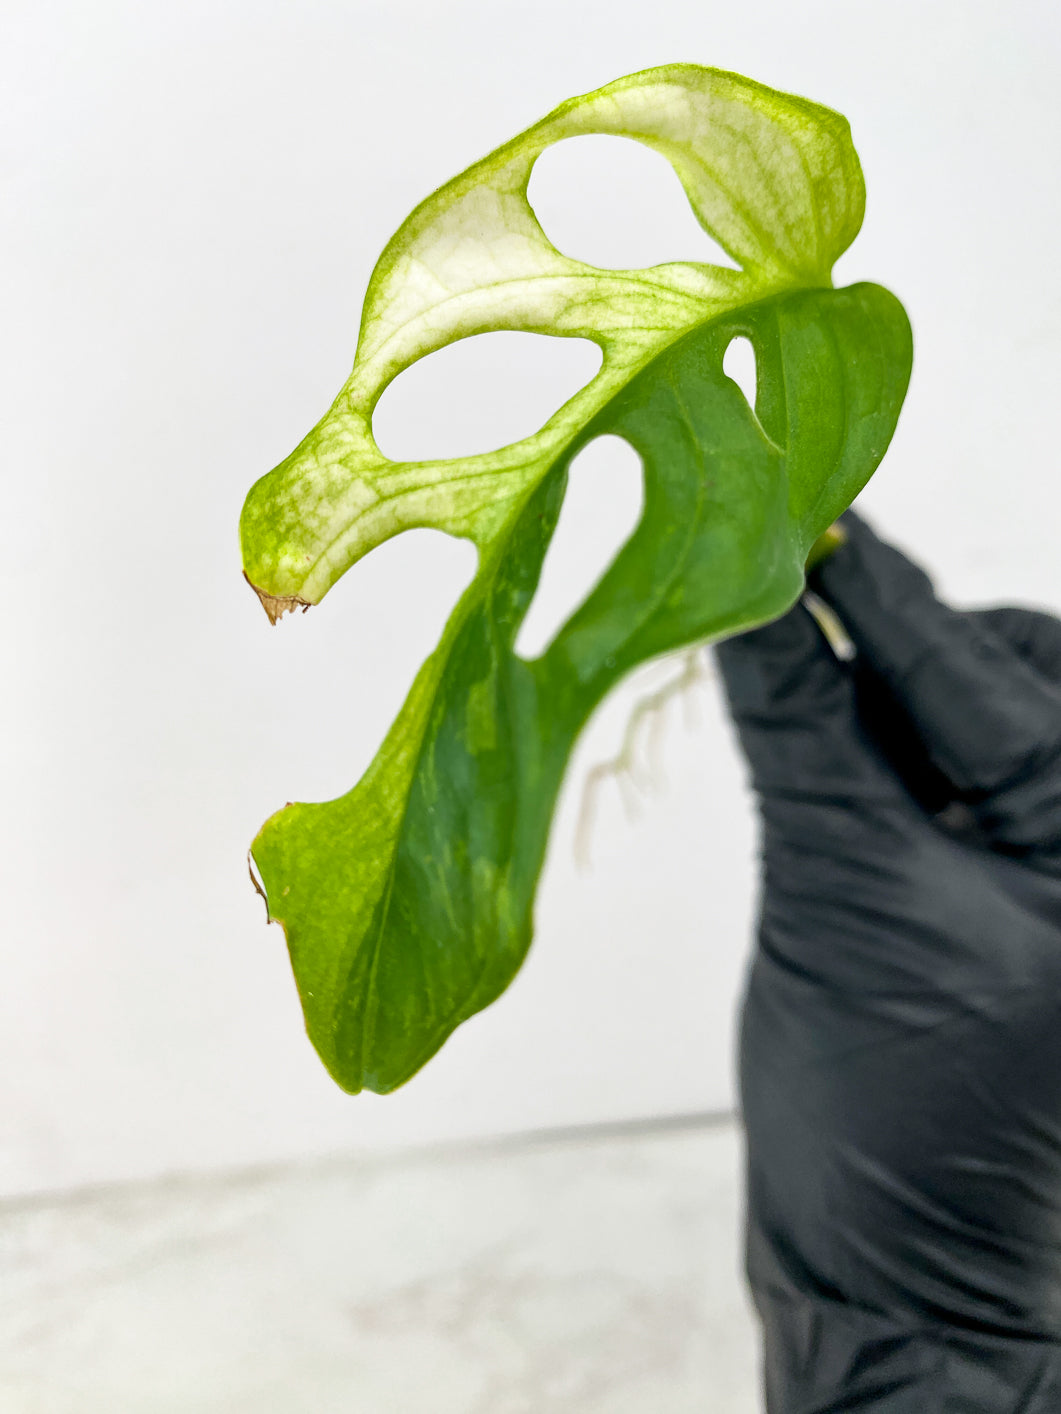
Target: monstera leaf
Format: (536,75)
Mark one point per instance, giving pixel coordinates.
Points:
(408,902)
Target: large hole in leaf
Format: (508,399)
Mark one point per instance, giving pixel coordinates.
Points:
(738,363)
(613,202)
(480,393)
(602,506)
(344,670)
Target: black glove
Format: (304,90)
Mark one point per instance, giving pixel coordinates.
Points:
(900,1059)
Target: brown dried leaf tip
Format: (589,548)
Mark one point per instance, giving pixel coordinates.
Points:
(257,886)
(277,605)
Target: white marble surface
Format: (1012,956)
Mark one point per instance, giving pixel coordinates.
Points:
(594,1273)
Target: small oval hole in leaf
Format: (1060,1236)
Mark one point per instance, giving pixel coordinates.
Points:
(602,506)
(615,203)
(738,363)
(480,393)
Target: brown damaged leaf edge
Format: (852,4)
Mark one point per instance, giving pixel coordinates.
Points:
(276,606)
(258,888)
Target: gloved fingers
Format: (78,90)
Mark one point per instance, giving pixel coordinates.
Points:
(795,709)
(1034,635)
(988,720)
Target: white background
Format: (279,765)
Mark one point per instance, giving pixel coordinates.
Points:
(195,197)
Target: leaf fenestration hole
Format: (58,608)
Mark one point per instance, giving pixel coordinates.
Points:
(738,363)
(615,203)
(481,393)
(603,503)
(354,660)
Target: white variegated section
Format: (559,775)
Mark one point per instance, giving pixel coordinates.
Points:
(773,179)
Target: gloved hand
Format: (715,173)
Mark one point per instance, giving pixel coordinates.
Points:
(900,1061)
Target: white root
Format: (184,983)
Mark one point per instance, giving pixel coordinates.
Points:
(635,770)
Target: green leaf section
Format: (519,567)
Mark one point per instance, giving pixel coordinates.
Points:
(408,902)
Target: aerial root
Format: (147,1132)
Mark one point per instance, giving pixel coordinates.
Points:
(632,769)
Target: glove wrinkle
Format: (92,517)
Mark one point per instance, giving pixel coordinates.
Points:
(988,718)
(1031,633)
